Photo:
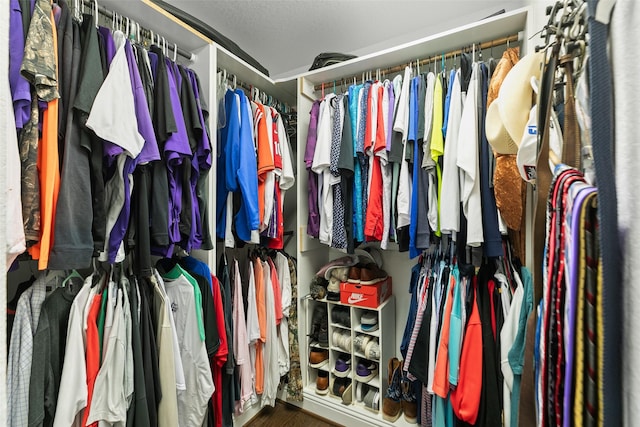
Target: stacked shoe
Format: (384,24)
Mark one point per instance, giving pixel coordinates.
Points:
(342,368)
(368,270)
(318,357)
(341,387)
(322,383)
(341,339)
(369,321)
(366,370)
(341,316)
(371,399)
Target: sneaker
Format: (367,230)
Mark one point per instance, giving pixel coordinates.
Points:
(391,404)
(354,274)
(372,351)
(371,274)
(322,382)
(341,339)
(366,371)
(360,342)
(341,316)
(318,357)
(342,367)
(369,321)
(371,399)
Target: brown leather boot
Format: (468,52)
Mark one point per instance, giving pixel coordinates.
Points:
(391,404)
(409,404)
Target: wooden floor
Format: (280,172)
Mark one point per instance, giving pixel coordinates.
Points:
(287,415)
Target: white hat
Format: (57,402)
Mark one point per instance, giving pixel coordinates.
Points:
(527,157)
(505,123)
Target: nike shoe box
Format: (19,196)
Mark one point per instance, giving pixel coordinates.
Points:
(370,296)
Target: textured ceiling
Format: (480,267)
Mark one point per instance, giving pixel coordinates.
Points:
(285,35)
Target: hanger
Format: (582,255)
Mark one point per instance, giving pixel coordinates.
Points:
(95,12)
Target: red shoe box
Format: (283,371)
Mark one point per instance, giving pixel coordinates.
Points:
(370,296)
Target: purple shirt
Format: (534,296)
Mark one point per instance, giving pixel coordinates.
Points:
(109,44)
(313,220)
(20,91)
(202,159)
(149,151)
(175,148)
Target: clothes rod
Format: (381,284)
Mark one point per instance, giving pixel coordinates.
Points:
(110,14)
(420,63)
(282,107)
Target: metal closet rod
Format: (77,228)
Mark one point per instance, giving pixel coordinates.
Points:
(170,46)
(249,88)
(428,60)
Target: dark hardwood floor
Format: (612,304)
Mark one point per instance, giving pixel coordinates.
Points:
(287,415)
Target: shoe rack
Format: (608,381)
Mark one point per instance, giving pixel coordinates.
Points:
(351,343)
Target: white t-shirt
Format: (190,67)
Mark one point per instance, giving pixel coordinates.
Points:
(450,193)
(73,380)
(405,186)
(113,114)
(177,358)
(192,402)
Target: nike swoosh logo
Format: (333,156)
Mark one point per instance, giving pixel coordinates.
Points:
(354,298)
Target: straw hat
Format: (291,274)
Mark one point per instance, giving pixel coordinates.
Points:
(507,116)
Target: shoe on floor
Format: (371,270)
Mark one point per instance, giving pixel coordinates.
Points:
(391,404)
(322,383)
(318,357)
(409,404)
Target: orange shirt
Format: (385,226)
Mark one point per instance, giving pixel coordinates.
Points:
(93,353)
(265,157)
(465,399)
(262,321)
(49,175)
(441,375)
(374,222)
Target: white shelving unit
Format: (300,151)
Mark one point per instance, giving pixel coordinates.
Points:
(384,336)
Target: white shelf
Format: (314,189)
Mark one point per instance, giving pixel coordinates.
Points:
(374,382)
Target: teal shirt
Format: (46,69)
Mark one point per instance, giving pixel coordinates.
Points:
(455,329)
(516,354)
